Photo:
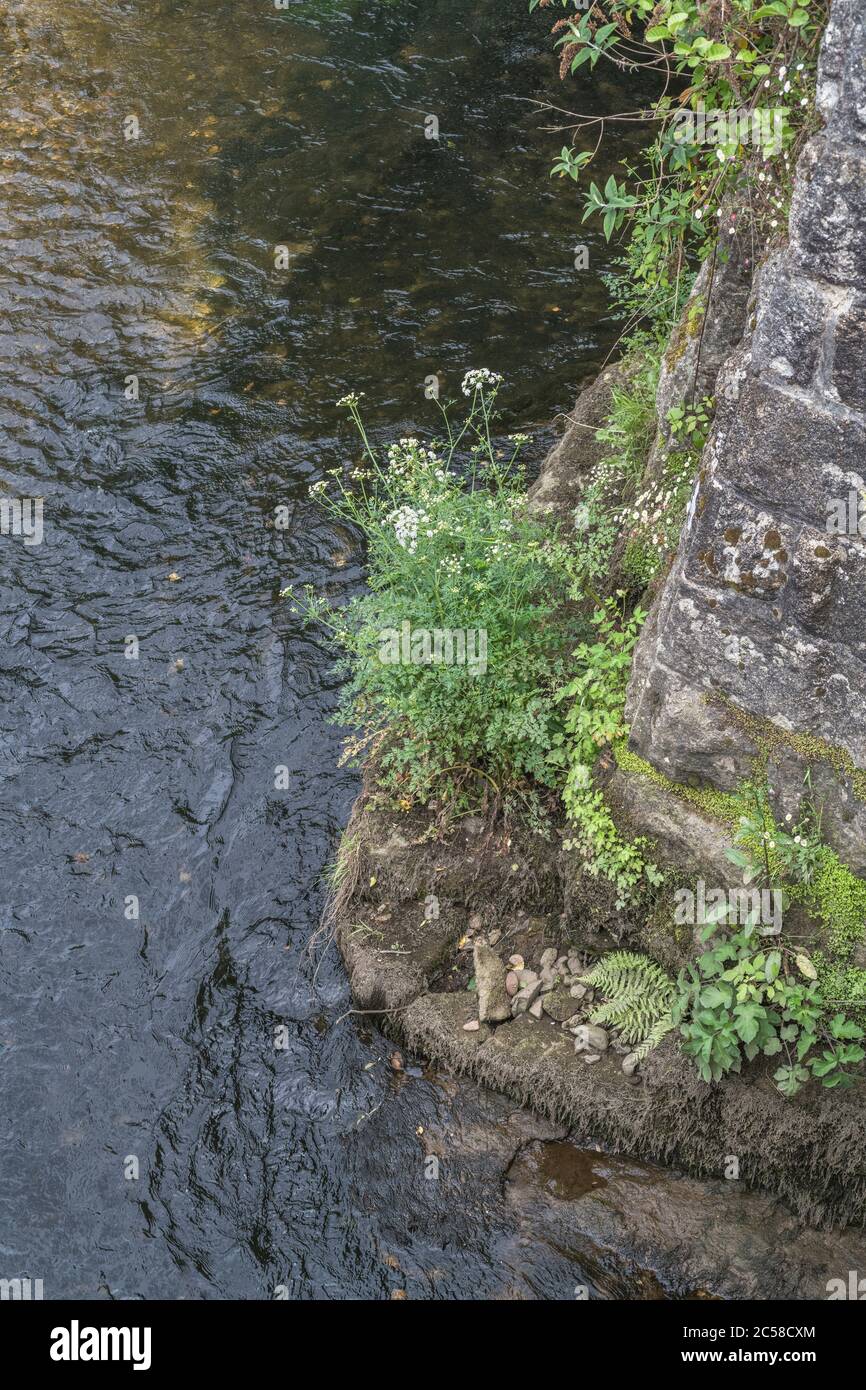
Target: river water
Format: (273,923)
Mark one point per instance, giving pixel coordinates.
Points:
(159,888)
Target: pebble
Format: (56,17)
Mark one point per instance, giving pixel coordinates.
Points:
(574,965)
(535,1008)
(558,1005)
(630,1064)
(524,997)
(512,984)
(472,1026)
(517,961)
(494,936)
(590,1057)
(589,1037)
(577,991)
(548,958)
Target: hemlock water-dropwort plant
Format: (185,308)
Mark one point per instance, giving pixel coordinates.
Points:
(457,570)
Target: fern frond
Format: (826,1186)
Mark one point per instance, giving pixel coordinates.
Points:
(659,1030)
(637,998)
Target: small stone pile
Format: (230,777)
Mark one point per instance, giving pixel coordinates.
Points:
(555,990)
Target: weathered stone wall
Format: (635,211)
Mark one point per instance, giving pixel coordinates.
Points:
(764,607)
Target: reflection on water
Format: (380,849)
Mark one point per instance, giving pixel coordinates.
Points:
(164,388)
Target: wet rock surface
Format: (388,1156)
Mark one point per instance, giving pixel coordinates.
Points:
(557,490)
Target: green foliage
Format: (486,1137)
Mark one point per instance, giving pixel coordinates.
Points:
(690,425)
(594,717)
(451,551)
(838,899)
(809,871)
(630,427)
(740,1000)
(640,562)
(596,695)
(654,521)
(638,998)
(731,60)
(611,505)
(842,986)
(629,432)
(743,998)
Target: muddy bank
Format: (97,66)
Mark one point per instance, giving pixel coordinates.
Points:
(409,913)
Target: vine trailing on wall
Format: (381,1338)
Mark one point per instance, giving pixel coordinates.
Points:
(737,104)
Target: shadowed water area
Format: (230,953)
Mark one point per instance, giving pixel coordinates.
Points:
(149,1040)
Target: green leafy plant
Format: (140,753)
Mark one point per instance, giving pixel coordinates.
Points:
(638,999)
(740,1000)
(452,558)
(611,505)
(594,717)
(764,851)
(741,62)
(628,432)
(794,858)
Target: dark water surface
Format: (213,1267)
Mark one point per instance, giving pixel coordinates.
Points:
(153,1039)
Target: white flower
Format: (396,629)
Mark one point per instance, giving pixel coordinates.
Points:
(352,398)
(405,521)
(478,378)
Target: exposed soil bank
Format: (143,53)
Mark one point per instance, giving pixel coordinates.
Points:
(808,1152)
